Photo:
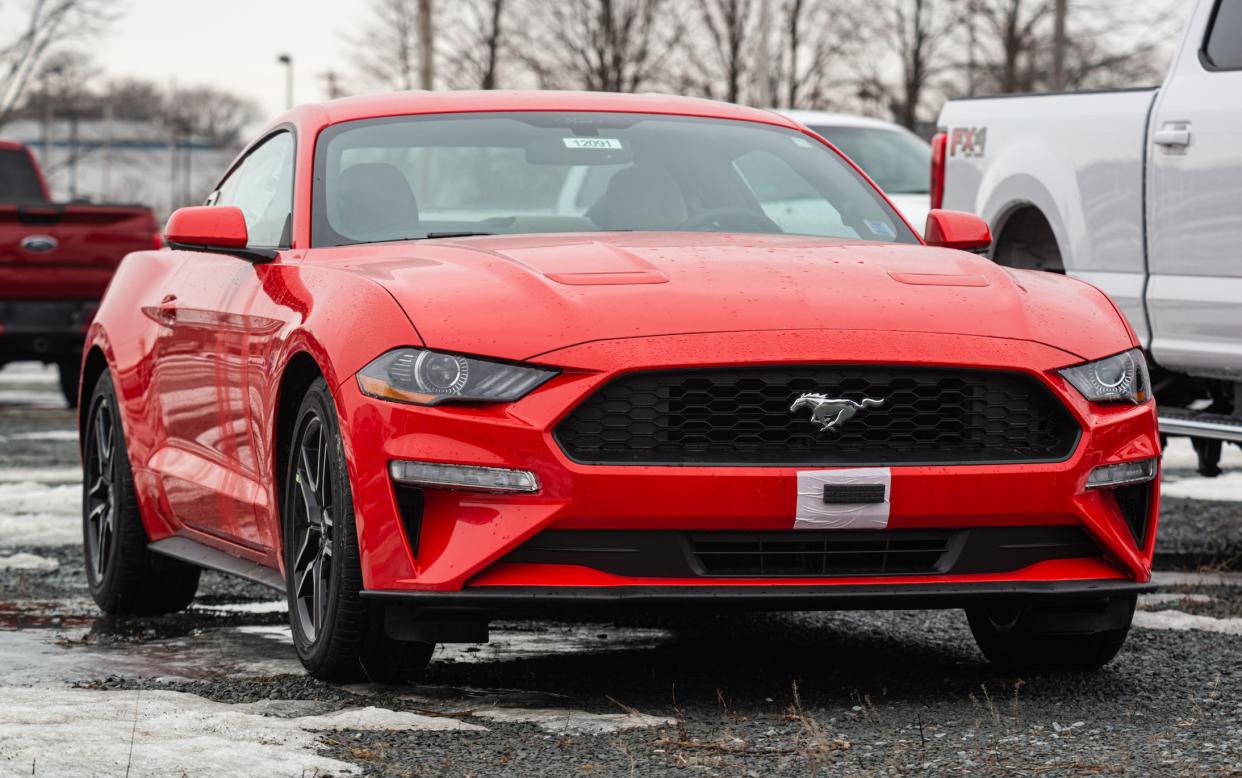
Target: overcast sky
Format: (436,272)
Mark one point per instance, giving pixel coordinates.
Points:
(232,44)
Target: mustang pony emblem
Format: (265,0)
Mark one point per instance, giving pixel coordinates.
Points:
(830,413)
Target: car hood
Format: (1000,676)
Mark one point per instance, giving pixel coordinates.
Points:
(519,297)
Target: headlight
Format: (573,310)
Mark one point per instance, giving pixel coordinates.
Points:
(1121,378)
(423,377)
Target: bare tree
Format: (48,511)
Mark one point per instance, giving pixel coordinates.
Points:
(819,42)
(919,32)
(1107,43)
(215,116)
(718,66)
(45,24)
(386,48)
(602,45)
(478,38)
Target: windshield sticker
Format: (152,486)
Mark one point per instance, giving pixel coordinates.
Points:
(592,143)
(880,228)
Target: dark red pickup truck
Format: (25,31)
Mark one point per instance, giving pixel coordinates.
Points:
(55,262)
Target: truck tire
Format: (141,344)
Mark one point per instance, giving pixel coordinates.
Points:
(125,578)
(1084,636)
(70,375)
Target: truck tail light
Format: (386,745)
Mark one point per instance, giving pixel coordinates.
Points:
(939,143)
(158,241)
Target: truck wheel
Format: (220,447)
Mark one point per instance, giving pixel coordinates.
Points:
(1085,636)
(124,577)
(338,635)
(70,374)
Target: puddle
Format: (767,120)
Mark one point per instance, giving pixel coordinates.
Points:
(76,653)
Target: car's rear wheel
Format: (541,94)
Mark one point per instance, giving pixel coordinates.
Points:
(124,577)
(1080,636)
(339,636)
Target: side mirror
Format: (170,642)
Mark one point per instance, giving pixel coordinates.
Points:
(957,230)
(220,229)
(216,226)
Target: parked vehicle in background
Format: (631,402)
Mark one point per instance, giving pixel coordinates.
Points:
(895,158)
(55,262)
(1139,192)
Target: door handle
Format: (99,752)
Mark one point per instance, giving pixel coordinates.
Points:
(1175,137)
(164,314)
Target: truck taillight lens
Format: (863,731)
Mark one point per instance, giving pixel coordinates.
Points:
(158,242)
(939,143)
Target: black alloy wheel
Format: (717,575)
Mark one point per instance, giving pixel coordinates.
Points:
(339,636)
(312,527)
(125,578)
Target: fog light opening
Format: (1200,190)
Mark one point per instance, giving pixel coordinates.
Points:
(1122,474)
(474,478)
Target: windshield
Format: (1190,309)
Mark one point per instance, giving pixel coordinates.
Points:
(898,161)
(413,177)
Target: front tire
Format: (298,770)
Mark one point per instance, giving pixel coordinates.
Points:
(124,577)
(338,635)
(1085,636)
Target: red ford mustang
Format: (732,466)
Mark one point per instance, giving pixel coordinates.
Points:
(425,360)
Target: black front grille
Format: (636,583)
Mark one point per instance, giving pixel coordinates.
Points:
(742,416)
(797,554)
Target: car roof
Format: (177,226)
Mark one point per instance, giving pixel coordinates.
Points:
(419,102)
(841,120)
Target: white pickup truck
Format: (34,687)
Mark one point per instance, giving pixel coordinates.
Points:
(1138,191)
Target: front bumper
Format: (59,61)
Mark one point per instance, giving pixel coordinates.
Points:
(444,543)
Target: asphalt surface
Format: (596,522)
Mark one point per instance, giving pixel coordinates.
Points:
(217,690)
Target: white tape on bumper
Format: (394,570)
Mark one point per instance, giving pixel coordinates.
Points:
(813,513)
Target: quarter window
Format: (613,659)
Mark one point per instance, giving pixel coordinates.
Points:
(262,186)
(1223,47)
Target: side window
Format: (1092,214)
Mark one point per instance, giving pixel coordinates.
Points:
(1223,47)
(262,186)
(789,199)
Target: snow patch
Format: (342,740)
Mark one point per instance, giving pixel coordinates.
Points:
(508,645)
(42,475)
(44,435)
(173,733)
(1166,579)
(1181,621)
(1180,455)
(273,606)
(1163,598)
(1226,487)
(28,562)
(36,514)
(573,722)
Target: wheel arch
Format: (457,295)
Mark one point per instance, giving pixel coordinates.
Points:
(1025,239)
(301,370)
(93,366)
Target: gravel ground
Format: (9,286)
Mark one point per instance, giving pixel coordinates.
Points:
(848,693)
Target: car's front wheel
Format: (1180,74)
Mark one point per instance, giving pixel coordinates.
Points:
(1078,636)
(124,577)
(338,635)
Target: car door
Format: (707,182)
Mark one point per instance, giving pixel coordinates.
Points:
(210,468)
(1194,294)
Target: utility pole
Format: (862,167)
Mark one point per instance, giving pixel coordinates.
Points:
(426,44)
(1058,45)
(287,61)
(763,72)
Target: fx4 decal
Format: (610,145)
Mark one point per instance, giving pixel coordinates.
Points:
(968,141)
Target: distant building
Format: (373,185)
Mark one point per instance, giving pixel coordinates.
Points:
(123,162)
